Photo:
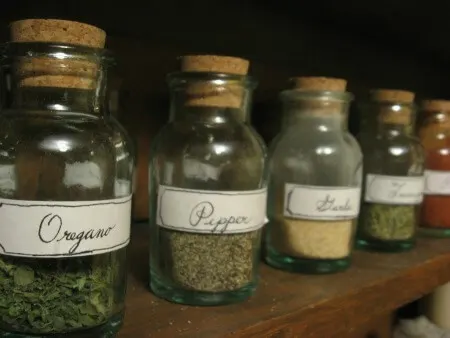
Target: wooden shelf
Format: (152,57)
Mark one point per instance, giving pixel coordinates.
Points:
(291,305)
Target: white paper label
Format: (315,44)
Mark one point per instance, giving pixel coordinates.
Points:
(321,203)
(63,229)
(437,182)
(394,189)
(213,212)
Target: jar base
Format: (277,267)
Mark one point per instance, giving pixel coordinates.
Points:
(434,232)
(307,266)
(107,330)
(198,298)
(384,246)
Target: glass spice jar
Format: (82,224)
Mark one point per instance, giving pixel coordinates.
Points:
(208,187)
(66,171)
(434,133)
(315,180)
(393,174)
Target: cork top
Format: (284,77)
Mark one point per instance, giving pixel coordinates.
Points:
(48,71)
(214,64)
(392,95)
(435,106)
(58,31)
(319,83)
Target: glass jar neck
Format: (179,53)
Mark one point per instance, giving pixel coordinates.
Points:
(318,110)
(51,78)
(388,118)
(206,114)
(324,121)
(58,99)
(210,98)
(440,118)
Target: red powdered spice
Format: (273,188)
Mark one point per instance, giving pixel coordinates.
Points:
(436,208)
(435,137)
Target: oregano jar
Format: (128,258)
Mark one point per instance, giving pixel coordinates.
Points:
(393,174)
(207,187)
(315,180)
(66,171)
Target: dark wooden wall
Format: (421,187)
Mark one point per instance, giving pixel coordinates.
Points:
(370,47)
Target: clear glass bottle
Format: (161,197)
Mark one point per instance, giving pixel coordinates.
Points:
(393,174)
(208,187)
(434,133)
(66,171)
(315,180)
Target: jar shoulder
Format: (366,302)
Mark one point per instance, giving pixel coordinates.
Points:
(239,140)
(399,156)
(209,158)
(435,139)
(78,157)
(65,135)
(394,147)
(297,144)
(329,159)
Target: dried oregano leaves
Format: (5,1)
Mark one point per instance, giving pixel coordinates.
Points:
(49,296)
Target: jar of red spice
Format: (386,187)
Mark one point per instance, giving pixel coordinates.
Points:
(434,134)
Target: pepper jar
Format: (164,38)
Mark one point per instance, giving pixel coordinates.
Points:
(393,174)
(315,180)
(66,171)
(207,187)
(434,133)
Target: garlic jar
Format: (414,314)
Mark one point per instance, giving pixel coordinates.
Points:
(315,180)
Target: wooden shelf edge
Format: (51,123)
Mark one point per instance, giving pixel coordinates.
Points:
(292,305)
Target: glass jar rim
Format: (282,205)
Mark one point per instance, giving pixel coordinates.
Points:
(318,95)
(180,78)
(11,50)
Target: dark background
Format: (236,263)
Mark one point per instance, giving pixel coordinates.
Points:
(391,44)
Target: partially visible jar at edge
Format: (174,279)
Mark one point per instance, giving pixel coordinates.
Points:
(393,174)
(315,180)
(434,133)
(66,171)
(208,187)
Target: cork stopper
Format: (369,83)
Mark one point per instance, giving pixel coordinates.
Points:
(51,72)
(397,105)
(435,106)
(230,93)
(319,83)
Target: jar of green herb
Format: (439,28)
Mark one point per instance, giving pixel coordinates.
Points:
(208,187)
(66,171)
(393,174)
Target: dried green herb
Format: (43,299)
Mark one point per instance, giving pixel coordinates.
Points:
(389,222)
(55,295)
(210,263)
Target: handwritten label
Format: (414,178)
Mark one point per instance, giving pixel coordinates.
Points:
(321,203)
(63,229)
(213,212)
(394,189)
(437,182)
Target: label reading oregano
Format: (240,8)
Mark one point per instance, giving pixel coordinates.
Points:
(63,229)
